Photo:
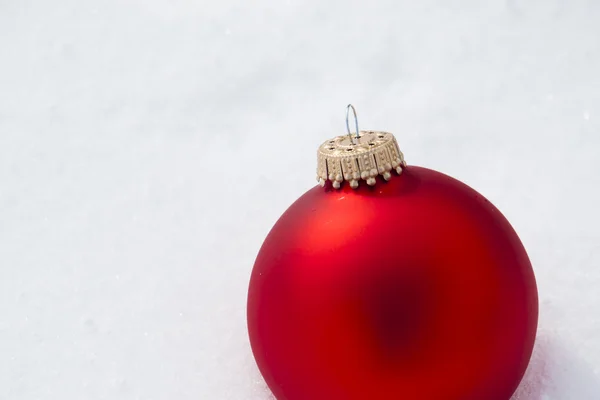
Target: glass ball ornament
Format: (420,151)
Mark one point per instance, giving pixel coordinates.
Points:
(390,281)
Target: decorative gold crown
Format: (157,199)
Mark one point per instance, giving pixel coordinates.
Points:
(355,157)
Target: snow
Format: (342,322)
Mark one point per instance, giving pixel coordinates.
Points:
(147,147)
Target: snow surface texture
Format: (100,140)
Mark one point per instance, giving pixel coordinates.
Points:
(141,167)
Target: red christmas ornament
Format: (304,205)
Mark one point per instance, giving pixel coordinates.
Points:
(412,288)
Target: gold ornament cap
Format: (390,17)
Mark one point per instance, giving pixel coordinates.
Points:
(362,156)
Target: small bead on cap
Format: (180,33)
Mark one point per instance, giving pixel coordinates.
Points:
(353,158)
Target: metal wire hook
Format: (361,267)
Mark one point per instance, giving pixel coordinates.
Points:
(350,106)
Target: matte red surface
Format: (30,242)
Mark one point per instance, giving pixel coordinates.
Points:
(414,289)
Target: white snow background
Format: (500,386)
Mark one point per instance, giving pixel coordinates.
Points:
(147,147)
